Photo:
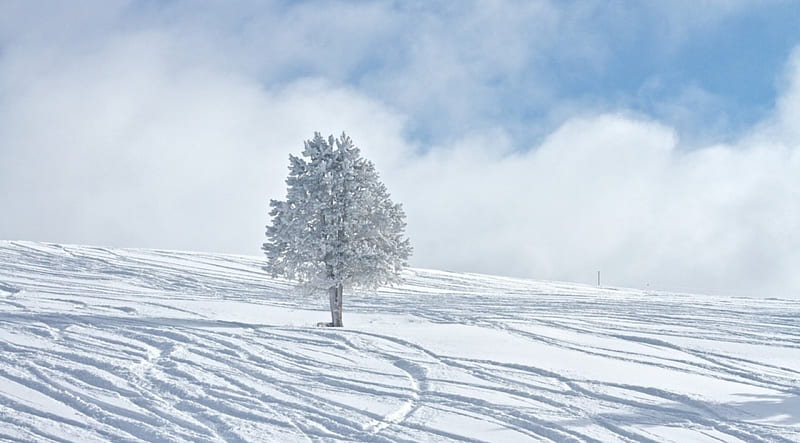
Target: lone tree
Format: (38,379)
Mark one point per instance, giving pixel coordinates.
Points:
(337,228)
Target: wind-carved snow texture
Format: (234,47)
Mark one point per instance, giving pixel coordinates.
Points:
(128,345)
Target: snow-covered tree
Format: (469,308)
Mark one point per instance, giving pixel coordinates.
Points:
(337,227)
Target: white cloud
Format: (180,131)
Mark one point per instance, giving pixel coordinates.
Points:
(614,193)
(164,136)
(123,146)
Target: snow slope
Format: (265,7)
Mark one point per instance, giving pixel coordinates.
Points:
(126,345)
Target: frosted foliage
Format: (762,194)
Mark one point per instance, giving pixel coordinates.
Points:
(337,225)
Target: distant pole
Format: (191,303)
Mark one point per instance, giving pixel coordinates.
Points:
(598,278)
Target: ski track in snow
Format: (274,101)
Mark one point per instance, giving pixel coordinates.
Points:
(146,345)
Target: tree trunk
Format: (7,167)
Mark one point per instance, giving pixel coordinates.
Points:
(339,296)
(335,295)
(332,295)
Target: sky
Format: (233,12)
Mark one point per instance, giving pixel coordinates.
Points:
(656,142)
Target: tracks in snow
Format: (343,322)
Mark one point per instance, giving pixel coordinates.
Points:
(128,345)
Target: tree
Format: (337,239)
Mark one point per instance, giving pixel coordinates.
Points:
(337,227)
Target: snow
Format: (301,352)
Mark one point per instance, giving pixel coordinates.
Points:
(109,344)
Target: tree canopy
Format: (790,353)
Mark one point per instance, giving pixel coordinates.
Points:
(337,227)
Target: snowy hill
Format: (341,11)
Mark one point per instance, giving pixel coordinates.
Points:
(125,345)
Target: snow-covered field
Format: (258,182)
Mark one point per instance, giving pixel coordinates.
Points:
(128,345)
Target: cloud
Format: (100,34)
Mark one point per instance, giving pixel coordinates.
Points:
(169,126)
(616,193)
(122,146)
